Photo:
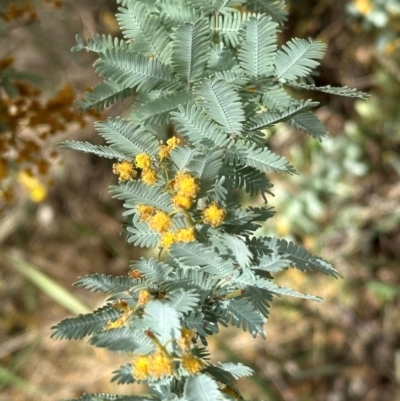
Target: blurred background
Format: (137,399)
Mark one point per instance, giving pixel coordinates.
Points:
(58,221)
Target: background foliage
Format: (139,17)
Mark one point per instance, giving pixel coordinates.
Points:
(345,207)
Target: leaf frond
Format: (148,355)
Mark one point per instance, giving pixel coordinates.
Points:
(298,58)
(257,50)
(83,325)
(190,50)
(135,71)
(222,103)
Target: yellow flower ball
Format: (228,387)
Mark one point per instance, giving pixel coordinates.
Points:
(125,170)
(184,235)
(160,222)
(166,240)
(149,176)
(173,142)
(140,366)
(214,215)
(185,185)
(182,202)
(143,160)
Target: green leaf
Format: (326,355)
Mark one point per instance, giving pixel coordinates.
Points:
(108,284)
(84,325)
(250,179)
(153,270)
(298,58)
(99,150)
(127,138)
(201,388)
(238,248)
(222,103)
(137,193)
(145,31)
(183,301)
(259,298)
(264,160)
(237,370)
(227,27)
(225,7)
(99,43)
(141,235)
(241,314)
(339,91)
(257,51)
(269,119)
(275,8)
(124,339)
(272,263)
(163,320)
(174,16)
(307,121)
(275,98)
(123,375)
(198,255)
(190,50)
(207,168)
(158,111)
(135,71)
(221,58)
(103,95)
(198,128)
(299,257)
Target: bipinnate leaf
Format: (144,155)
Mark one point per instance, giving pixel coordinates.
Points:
(298,58)
(222,104)
(190,48)
(84,325)
(137,193)
(201,388)
(127,138)
(257,51)
(103,95)
(106,283)
(145,30)
(135,71)
(123,339)
(163,321)
(99,150)
(183,301)
(299,257)
(238,248)
(199,256)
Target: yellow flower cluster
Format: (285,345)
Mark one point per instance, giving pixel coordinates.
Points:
(181,235)
(160,222)
(214,215)
(165,150)
(156,365)
(145,212)
(186,189)
(143,161)
(192,364)
(144,297)
(120,322)
(149,175)
(125,170)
